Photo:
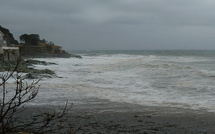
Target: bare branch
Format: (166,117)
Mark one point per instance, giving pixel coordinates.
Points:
(12,103)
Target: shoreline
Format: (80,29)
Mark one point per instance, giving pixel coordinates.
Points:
(119,118)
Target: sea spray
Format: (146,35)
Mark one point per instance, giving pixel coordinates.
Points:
(156,78)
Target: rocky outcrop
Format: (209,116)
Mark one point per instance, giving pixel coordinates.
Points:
(27,67)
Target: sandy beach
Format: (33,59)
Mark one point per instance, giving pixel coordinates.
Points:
(120,118)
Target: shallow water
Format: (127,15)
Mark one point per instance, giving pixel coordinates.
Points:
(156,78)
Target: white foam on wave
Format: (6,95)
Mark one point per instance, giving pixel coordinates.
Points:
(146,80)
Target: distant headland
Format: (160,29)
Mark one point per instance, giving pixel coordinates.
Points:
(31,45)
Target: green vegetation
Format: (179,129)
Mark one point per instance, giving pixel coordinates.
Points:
(32,39)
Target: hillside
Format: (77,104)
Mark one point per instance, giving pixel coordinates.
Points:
(32,46)
(42,50)
(8,36)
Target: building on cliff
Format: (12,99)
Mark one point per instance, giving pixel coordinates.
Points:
(2,41)
(7,53)
(51,48)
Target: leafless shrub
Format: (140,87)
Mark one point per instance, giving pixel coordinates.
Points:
(13,100)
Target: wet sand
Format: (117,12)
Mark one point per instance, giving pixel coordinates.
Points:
(121,118)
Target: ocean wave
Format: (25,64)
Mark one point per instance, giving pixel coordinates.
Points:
(152,79)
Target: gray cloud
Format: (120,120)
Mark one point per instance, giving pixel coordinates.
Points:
(114,24)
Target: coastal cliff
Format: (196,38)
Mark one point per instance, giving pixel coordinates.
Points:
(32,46)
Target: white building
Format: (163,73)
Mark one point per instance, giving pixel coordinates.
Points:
(7,53)
(1,39)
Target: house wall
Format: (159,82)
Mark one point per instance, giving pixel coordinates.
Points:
(1,39)
(1,36)
(1,50)
(10,54)
(1,54)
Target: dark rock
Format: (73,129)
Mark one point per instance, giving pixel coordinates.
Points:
(76,56)
(37,62)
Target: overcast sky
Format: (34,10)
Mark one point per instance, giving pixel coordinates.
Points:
(114,24)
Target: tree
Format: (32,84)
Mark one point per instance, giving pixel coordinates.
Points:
(31,39)
(51,43)
(23,38)
(12,102)
(43,41)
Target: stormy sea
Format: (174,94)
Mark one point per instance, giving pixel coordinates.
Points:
(179,79)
